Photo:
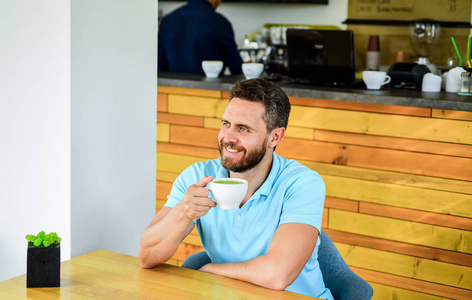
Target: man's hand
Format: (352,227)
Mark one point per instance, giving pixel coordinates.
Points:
(196,202)
(161,239)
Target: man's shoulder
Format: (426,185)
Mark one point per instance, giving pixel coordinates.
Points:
(291,171)
(292,165)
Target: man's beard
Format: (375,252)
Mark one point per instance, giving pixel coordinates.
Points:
(247,162)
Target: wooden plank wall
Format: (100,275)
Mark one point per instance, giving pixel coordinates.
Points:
(399,183)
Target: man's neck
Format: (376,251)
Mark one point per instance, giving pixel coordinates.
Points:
(256,176)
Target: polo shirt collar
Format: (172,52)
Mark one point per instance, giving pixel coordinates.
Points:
(267,185)
(274,170)
(222,172)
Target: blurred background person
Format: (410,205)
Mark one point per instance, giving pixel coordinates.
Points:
(193,33)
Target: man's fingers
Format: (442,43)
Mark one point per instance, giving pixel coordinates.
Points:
(195,211)
(204,181)
(196,199)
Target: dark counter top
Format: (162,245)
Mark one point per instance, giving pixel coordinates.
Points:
(402,97)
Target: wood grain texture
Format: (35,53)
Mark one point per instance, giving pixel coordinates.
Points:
(342,204)
(399,213)
(400,230)
(407,266)
(413,284)
(412,145)
(386,292)
(166,176)
(185,105)
(400,247)
(175,163)
(161,102)
(180,119)
(396,178)
(444,130)
(458,204)
(203,153)
(415,215)
(214,123)
(200,137)
(378,158)
(163,189)
(109,275)
(188,91)
(163,132)
(452,114)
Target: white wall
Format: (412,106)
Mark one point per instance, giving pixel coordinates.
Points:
(34,127)
(114,92)
(250,17)
(77,124)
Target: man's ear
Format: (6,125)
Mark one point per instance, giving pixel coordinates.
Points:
(276,136)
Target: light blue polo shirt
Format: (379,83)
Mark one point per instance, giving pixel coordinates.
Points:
(292,193)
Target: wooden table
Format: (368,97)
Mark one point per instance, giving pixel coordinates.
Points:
(108,275)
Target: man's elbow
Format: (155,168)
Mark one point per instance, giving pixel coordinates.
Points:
(145,262)
(279,282)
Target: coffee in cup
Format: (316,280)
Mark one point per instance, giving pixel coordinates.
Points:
(375,79)
(212,68)
(228,192)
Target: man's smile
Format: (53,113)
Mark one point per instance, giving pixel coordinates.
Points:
(231,150)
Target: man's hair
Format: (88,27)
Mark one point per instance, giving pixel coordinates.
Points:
(274,99)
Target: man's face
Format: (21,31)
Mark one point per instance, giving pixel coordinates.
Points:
(243,136)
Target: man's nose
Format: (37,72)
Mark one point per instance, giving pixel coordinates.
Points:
(230,135)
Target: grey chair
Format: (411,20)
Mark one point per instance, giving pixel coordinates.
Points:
(338,277)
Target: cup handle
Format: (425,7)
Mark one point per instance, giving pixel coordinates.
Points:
(214,200)
(387,79)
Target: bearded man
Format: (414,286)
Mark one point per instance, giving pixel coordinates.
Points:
(272,239)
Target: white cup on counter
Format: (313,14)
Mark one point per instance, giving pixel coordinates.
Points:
(375,79)
(431,83)
(453,80)
(212,68)
(252,70)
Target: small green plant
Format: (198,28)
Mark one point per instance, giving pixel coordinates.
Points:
(43,239)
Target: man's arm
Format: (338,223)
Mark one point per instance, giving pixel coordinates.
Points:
(289,251)
(170,226)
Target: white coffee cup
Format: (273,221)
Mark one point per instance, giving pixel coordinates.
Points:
(375,79)
(252,70)
(453,80)
(228,192)
(431,83)
(212,68)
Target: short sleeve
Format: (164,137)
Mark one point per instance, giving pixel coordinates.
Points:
(304,200)
(189,176)
(192,175)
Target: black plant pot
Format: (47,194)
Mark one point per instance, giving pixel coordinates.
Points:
(44,266)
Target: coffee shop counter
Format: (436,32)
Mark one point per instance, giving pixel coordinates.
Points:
(402,97)
(397,165)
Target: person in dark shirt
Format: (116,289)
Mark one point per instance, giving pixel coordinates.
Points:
(193,33)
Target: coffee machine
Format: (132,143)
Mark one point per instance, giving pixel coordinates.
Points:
(424,35)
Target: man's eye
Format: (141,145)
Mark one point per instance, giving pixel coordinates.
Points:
(225,124)
(243,129)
